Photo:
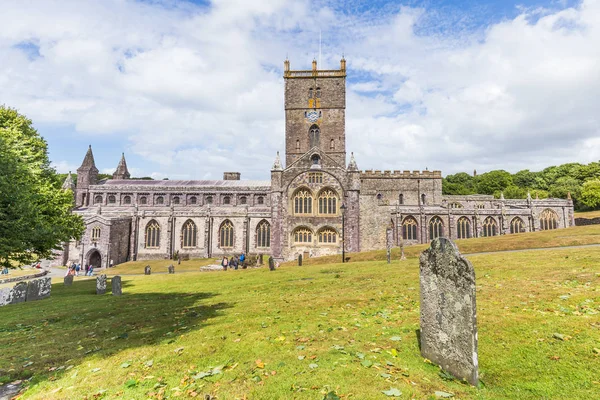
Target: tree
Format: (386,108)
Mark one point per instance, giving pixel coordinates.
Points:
(461,183)
(35,213)
(493,182)
(590,193)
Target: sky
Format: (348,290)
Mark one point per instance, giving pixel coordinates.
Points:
(189,89)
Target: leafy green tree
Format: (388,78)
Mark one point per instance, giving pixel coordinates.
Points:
(493,181)
(565,185)
(515,192)
(590,193)
(461,183)
(525,179)
(35,213)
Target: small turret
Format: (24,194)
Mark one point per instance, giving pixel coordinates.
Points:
(314,65)
(87,175)
(286,65)
(277,163)
(352,164)
(122,172)
(343,64)
(68,183)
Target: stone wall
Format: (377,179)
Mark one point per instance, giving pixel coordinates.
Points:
(587,221)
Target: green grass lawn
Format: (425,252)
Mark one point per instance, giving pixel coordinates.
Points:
(302,332)
(588,214)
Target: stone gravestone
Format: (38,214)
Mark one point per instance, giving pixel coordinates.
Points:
(260,260)
(68,280)
(299,260)
(117,289)
(271,264)
(171,269)
(448,312)
(101,284)
(19,293)
(389,241)
(5,295)
(147,270)
(38,289)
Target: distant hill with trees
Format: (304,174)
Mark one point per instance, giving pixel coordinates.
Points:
(581,180)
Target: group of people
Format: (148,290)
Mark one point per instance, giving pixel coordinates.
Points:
(234,262)
(74,270)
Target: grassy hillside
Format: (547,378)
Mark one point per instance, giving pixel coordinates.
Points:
(304,332)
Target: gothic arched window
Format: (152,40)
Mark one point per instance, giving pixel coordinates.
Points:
(226,200)
(226,234)
(303,235)
(160,200)
(318,93)
(98,199)
(243,200)
(436,228)
(548,220)
(490,227)
(328,202)
(463,228)
(401,199)
(517,225)
(332,145)
(143,200)
(260,200)
(314,134)
(193,200)
(303,201)
(127,200)
(327,235)
(152,235)
(310,93)
(176,200)
(409,229)
(112,199)
(209,199)
(263,234)
(423,199)
(189,234)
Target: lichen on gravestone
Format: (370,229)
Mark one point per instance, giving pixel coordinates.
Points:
(448,310)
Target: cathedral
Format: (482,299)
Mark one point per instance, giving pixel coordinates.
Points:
(314,204)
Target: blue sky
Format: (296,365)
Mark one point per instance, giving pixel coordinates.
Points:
(188,89)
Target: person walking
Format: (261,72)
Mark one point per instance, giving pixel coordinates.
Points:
(224,263)
(87,269)
(77,269)
(91,270)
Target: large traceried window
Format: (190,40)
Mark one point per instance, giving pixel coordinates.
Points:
(96,233)
(328,202)
(226,234)
(409,229)
(303,202)
(189,234)
(152,235)
(303,235)
(517,225)
(463,228)
(548,220)
(327,235)
(263,234)
(489,227)
(436,228)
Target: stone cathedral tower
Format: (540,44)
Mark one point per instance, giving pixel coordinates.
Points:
(315,112)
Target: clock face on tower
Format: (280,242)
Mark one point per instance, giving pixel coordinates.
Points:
(312,116)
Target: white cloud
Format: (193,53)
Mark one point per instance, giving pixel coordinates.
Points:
(198,90)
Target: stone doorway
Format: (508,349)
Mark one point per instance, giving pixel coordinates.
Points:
(95,259)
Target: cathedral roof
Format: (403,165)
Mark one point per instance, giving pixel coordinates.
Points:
(265,185)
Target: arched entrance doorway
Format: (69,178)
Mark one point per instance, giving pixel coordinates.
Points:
(95,259)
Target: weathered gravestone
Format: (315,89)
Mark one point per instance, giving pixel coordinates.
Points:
(68,280)
(18,293)
(147,270)
(171,269)
(389,242)
(448,312)
(115,281)
(299,260)
(38,289)
(260,259)
(5,295)
(101,284)
(271,264)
